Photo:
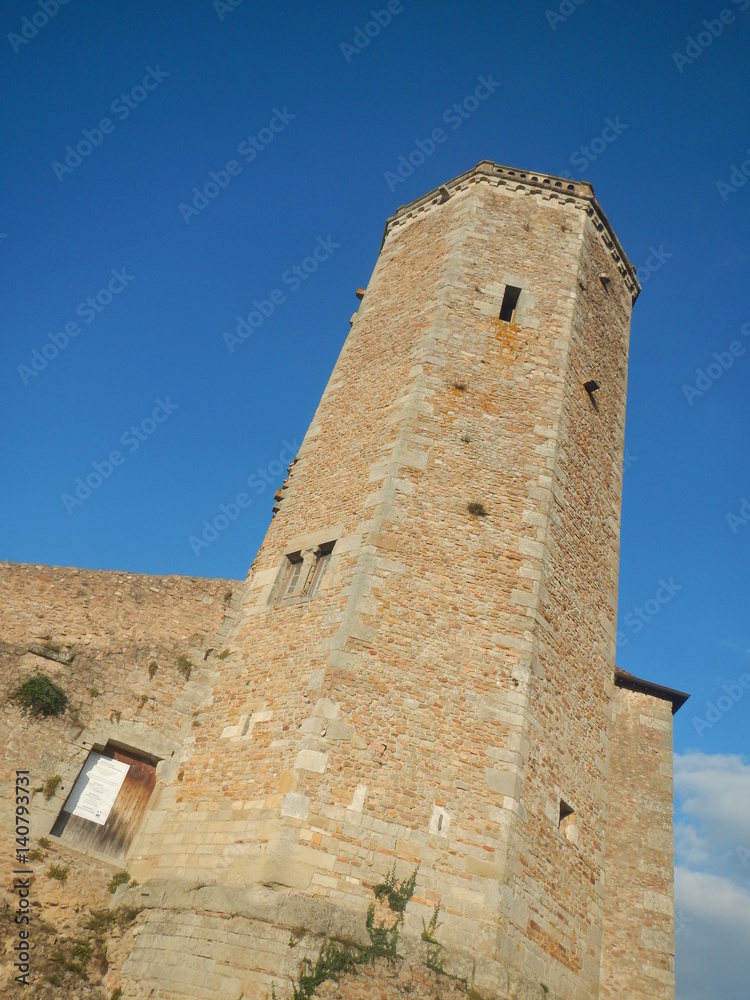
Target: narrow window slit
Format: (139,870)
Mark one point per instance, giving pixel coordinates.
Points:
(568,823)
(510,302)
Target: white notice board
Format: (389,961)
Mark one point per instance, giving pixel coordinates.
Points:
(96,788)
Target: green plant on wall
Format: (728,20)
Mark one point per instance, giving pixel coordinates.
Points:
(39,696)
(59,872)
(434,959)
(335,959)
(121,878)
(50,786)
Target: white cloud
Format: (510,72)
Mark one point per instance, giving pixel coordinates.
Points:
(713,820)
(689,846)
(712,877)
(713,920)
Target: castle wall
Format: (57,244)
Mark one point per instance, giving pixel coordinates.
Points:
(105,630)
(107,611)
(638,950)
(113,625)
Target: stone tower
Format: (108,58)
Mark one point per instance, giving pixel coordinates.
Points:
(422,667)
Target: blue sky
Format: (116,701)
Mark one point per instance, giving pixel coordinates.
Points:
(315,125)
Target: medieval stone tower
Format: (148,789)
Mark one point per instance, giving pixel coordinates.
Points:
(420,668)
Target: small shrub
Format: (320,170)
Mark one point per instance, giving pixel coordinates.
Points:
(82,952)
(94,691)
(335,959)
(476,510)
(101,922)
(73,957)
(121,878)
(40,696)
(434,959)
(332,962)
(458,386)
(152,668)
(295,936)
(227,597)
(60,872)
(184,665)
(50,786)
(44,843)
(37,855)
(398,895)
(224,654)
(116,994)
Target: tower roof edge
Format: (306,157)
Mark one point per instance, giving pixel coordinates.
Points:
(557,187)
(625,679)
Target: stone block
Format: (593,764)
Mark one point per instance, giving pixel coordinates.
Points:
(503,782)
(311,760)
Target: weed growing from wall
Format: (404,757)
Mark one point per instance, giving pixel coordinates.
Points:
(60,872)
(335,959)
(121,878)
(50,786)
(39,696)
(434,959)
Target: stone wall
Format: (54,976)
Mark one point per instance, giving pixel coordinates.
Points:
(638,952)
(111,627)
(96,634)
(560,877)
(108,611)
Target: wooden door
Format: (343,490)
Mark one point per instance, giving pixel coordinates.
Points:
(114,836)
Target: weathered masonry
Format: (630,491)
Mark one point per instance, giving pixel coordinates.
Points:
(420,667)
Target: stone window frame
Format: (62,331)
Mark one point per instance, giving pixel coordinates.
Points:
(314,562)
